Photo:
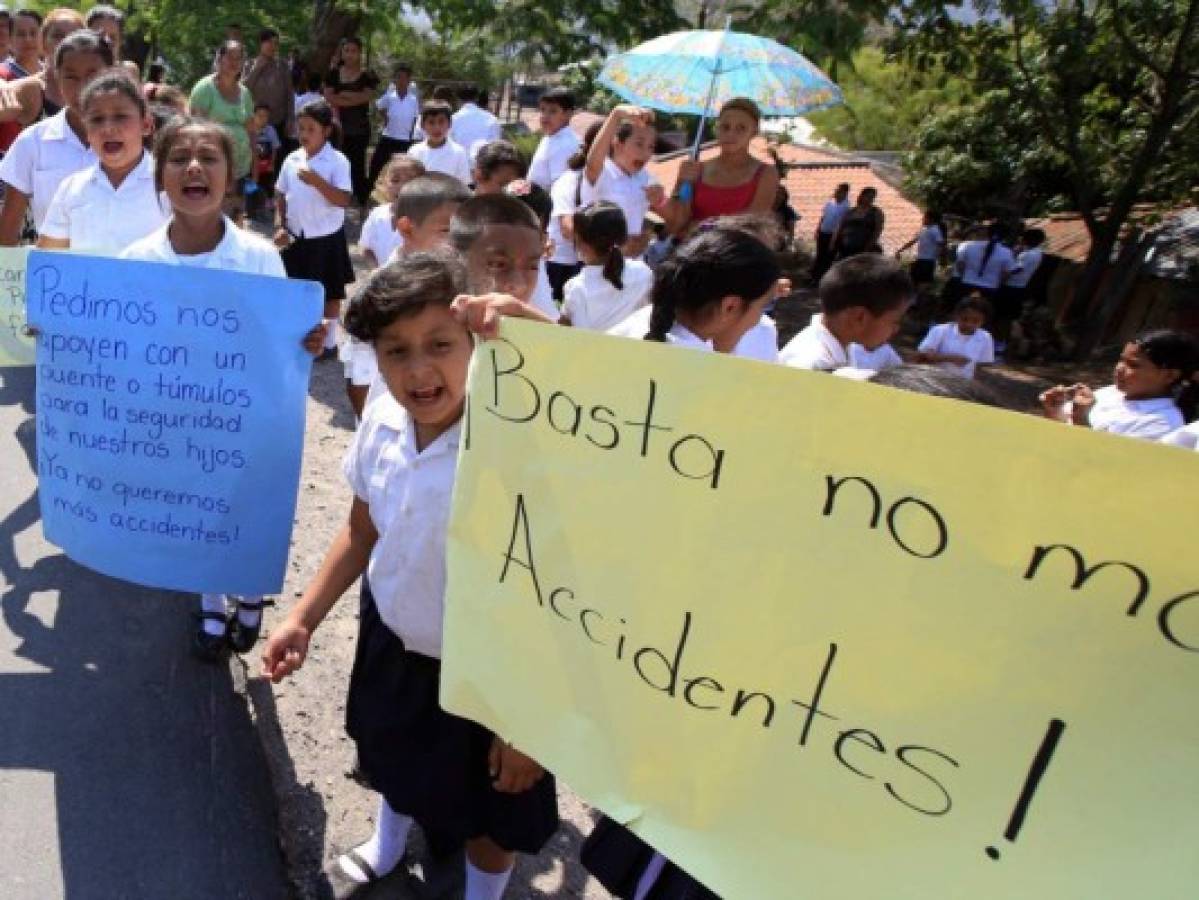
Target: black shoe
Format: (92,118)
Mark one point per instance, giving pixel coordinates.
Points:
(211,647)
(242,638)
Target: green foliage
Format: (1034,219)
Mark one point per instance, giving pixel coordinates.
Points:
(887,102)
(827,32)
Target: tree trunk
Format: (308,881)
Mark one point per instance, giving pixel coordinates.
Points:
(1087,286)
(1124,276)
(329,26)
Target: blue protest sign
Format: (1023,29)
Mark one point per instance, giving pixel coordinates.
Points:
(170,410)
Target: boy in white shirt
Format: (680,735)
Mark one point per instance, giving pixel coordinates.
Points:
(863,299)
(438,151)
(559,142)
(497,164)
(379,238)
(472,126)
(399,108)
(830,220)
(963,344)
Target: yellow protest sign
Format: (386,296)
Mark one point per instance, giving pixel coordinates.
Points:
(16,348)
(812,637)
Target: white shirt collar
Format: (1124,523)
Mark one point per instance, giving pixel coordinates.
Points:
(394,417)
(143,171)
(57,128)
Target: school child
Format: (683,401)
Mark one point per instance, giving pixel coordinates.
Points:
(266,144)
(473,125)
(616,172)
(420,215)
(710,293)
(963,344)
(930,246)
(379,238)
(496,164)
(610,288)
(863,299)
(113,202)
(46,153)
(438,151)
(1154,394)
(313,192)
(538,201)
(880,359)
(1014,294)
(660,247)
(558,141)
(566,198)
(429,766)
(194,168)
(982,266)
(399,108)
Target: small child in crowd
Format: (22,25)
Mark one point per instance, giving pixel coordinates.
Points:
(310,212)
(536,199)
(113,202)
(660,247)
(1155,392)
(558,142)
(496,164)
(610,288)
(863,299)
(961,345)
(379,238)
(462,783)
(266,145)
(616,172)
(566,198)
(438,151)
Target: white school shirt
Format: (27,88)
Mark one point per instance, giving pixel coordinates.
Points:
(552,155)
(305,98)
(1186,437)
(627,191)
(1027,264)
(308,213)
(636,325)
(100,219)
(831,216)
(408,494)
(543,294)
(1149,419)
(970,259)
(761,342)
(978,347)
(378,236)
(471,127)
(815,348)
(40,158)
(562,195)
(591,301)
(402,113)
(877,360)
(929,242)
(238,251)
(449,159)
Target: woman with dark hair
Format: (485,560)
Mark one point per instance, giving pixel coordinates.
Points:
(222,98)
(861,229)
(350,89)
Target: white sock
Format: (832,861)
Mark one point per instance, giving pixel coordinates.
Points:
(649,876)
(249,618)
(385,848)
(482,885)
(330,334)
(214,603)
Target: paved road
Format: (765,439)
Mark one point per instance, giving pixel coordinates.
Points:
(127,769)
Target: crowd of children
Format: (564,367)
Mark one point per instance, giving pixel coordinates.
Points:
(463,238)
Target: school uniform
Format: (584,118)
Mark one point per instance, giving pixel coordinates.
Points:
(543,294)
(100,219)
(929,242)
(761,342)
(238,251)
(815,348)
(978,347)
(378,236)
(830,220)
(41,157)
(427,763)
(318,250)
(449,159)
(564,264)
(593,302)
(402,114)
(1013,294)
(552,156)
(1186,437)
(876,360)
(627,191)
(980,271)
(1150,420)
(471,127)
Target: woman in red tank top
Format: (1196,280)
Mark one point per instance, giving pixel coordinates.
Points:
(730,183)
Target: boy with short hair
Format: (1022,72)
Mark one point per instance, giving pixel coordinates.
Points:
(266,147)
(438,151)
(497,164)
(559,142)
(863,299)
(399,108)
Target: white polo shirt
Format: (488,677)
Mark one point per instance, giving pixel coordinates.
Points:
(761,342)
(975,274)
(41,157)
(551,156)
(1027,264)
(1149,419)
(877,360)
(402,113)
(977,348)
(408,494)
(636,325)
(562,195)
(238,251)
(471,126)
(815,348)
(308,213)
(627,191)
(449,159)
(591,301)
(543,294)
(378,236)
(100,219)
(1186,437)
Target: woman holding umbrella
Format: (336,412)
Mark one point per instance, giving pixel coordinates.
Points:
(732,182)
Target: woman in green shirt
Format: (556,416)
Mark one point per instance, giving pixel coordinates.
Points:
(222,98)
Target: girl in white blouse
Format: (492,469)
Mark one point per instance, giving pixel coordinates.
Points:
(610,288)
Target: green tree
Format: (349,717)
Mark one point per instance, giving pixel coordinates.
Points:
(828,32)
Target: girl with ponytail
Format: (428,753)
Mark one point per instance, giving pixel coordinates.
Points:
(609,288)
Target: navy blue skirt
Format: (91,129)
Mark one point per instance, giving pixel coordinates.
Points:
(430,764)
(325,259)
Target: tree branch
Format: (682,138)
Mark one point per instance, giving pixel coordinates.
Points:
(1139,54)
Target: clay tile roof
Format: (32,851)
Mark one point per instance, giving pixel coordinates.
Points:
(1066,236)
